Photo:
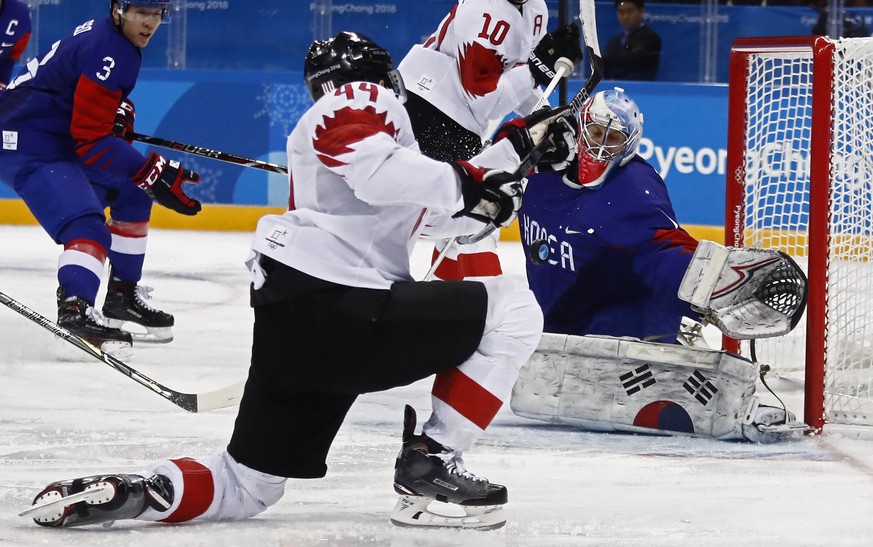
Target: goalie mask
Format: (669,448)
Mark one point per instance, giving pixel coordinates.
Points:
(611,126)
(349,57)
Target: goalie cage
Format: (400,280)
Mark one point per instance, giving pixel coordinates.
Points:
(800,180)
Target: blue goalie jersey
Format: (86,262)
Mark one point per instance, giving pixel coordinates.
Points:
(609,260)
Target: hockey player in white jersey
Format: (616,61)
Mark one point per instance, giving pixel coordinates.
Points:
(484,61)
(338,314)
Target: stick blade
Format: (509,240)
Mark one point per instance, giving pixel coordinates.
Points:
(220,398)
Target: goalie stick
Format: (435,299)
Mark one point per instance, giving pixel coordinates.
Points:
(192,402)
(207,153)
(595,61)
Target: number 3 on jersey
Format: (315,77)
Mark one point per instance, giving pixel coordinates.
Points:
(107,69)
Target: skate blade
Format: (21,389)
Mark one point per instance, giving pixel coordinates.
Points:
(139,333)
(790,427)
(420,512)
(52,505)
(162,335)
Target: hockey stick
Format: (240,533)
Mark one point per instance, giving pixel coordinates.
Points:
(207,153)
(565,66)
(192,402)
(589,34)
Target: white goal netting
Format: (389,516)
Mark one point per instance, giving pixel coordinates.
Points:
(808,135)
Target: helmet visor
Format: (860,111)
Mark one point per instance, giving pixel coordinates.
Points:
(144,10)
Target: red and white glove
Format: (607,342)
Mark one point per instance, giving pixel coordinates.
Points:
(124,118)
(491,196)
(162,180)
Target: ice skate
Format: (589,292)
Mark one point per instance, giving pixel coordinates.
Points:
(99,498)
(437,491)
(81,319)
(125,305)
(768,424)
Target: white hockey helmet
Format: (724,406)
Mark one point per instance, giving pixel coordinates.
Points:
(611,126)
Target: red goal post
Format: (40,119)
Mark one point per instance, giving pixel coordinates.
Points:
(800,179)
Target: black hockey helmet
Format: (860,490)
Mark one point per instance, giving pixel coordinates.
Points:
(348,57)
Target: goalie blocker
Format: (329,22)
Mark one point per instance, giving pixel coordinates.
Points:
(608,384)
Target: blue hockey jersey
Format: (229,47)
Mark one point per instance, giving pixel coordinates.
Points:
(616,255)
(14,35)
(64,105)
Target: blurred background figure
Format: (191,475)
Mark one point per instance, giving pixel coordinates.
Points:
(635,53)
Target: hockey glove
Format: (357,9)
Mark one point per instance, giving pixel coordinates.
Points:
(562,146)
(124,118)
(525,133)
(562,42)
(162,180)
(491,196)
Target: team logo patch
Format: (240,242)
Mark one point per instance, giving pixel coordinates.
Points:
(700,388)
(276,238)
(638,379)
(665,415)
(10,140)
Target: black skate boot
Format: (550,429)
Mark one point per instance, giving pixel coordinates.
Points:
(81,319)
(99,498)
(426,471)
(125,304)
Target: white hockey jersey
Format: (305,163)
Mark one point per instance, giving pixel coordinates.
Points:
(362,193)
(474,67)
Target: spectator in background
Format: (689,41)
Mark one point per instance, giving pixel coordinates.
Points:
(14,35)
(633,54)
(853,24)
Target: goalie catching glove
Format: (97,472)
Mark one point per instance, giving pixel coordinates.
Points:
(747,293)
(491,196)
(162,180)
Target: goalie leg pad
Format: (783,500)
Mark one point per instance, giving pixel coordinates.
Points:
(602,383)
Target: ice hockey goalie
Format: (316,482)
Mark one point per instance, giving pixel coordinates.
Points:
(604,383)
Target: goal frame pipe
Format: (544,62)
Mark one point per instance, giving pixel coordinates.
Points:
(821,50)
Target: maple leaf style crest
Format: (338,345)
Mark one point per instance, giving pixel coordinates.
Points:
(337,134)
(480,69)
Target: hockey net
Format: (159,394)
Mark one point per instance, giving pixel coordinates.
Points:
(800,179)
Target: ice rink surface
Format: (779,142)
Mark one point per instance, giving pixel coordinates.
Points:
(62,418)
